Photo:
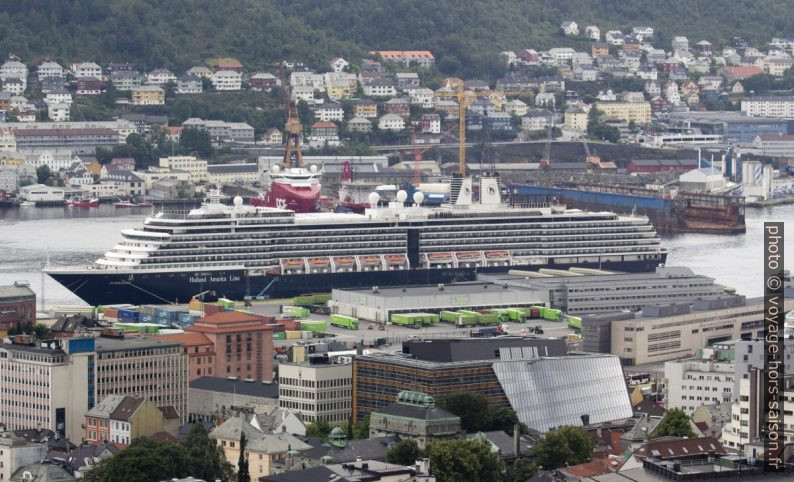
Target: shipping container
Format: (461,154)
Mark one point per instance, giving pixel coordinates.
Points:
(279,335)
(293,335)
(550,314)
(128,316)
(196,305)
(110,312)
(295,311)
(311,299)
(343,321)
(291,325)
(226,304)
(574,322)
(318,326)
(487,318)
(448,316)
(413,320)
(147,309)
(516,315)
(146,318)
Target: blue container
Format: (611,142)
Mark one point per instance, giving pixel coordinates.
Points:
(146,318)
(128,316)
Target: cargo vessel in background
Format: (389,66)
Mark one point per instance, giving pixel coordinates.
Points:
(242,250)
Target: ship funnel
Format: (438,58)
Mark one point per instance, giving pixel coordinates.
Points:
(489,191)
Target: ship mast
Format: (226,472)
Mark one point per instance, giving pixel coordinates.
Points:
(293,157)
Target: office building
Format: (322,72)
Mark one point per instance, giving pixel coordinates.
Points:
(243,344)
(749,354)
(17,451)
(197,168)
(781,107)
(244,173)
(439,367)
(199,350)
(706,378)
(217,397)
(79,141)
(143,367)
(48,385)
(414,415)
(675,331)
(318,391)
(775,145)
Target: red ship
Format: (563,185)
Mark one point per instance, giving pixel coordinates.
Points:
(291,185)
(82,203)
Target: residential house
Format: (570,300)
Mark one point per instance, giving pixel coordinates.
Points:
(126,182)
(359,124)
(329,111)
(148,95)
(13,85)
(404,79)
(196,168)
(576,119)
(160,77)
(302,93)
(121,419)
(48,68)
(536,120)
(599,49)
(423,97)
(262,448)
(365,108)
(379,88)
(87,70)
(324,133)
(447,106)
(200,71)
(391,122)
(339,89)
(430,124)
(339,64)
(593,33)
(310,79)
(399,106)
(710,82)
(678,73)
(144,122)
(61,96)
(643,31)
(569,28)
(500,121)
(228,64)
(562,54)
(545,99)
(126,80)
(779,66)
(637,112)
(680,43)
(369,65)
(705,47)
(516,107)
(647,72)
(262,81)
(58,112)
(227,80)
(52,83)
(614,37)
(585,73)
(115,67)
(421,58)
(273,137)
(632,97)
(189,84)
(88,86)
(14,69)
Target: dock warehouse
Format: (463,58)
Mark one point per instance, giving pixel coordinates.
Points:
(377,304)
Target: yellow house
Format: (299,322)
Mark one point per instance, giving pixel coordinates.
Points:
(261,448)
(148,95)
(576,119)
(637,112)
(366,109)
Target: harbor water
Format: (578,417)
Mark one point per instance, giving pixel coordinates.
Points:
(70,237)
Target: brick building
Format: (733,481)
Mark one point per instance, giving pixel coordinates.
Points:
(17,306)
(243,344)
(200,353)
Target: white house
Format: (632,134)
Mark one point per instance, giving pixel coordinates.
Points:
(339,64)
(562,54)
(423,97)
(379,88)
(13,69)
(303,92)
(227,80)
(570,28)
(160,77)
(592,32)
(329,111)
(614,37)
(545,99)
(644,31)
(58,112)
(14,85)
(48,68)
(516,107)
(87,70)
(680,43)
(61,96)
(391,122)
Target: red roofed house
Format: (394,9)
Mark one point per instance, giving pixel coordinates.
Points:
(200,352)
(733,73)
(243,344)
(422,58)
(681,449)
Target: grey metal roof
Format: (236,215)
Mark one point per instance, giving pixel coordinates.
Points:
(551,392)
(104,408)
(15,290)
(224,385)
(114,344)
(227,168)
(415,412)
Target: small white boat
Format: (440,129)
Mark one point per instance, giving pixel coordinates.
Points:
(25,204)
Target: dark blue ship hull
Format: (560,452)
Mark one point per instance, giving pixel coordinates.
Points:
(105,287)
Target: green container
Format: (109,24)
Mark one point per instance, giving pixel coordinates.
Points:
(516,315)
(407,319)
(550,314)
(343,321)
(488,318)
(316,326)
(449,316)
(575,322)
(295,311)
(311,299)
(226,304)
(279,335)
(430,318)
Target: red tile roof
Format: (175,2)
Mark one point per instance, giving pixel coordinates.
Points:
(187,339)
(229,317)
(591,469)
(677,448)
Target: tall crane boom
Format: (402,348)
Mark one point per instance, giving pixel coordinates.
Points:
(459,96)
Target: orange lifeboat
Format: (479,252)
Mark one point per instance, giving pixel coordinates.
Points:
(497,254)
(344,261)
(319,261)
(395,258)
(439,256)
(293,263)
(370,259)
(468,255)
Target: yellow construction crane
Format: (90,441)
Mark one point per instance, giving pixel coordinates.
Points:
(458,95)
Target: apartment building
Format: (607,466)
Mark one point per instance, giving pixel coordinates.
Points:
(120,419)
(637,112)
(17,305)
(48,385)
(654,339)
(317,391)
(79,141)
(147,95)
(422,58)
(143,367)
(199,350)
(17,451)
(769,106)
(223,131)
(232,173)
(196,168)
(707,378)
(227,80)
(749,354)
(243,344)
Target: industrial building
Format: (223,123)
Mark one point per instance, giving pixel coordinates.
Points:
(377,304)
(439,367)
(733,126)
(579,291)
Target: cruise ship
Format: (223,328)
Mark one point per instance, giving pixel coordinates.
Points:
(240,250)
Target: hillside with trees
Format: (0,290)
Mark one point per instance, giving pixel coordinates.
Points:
(465,36)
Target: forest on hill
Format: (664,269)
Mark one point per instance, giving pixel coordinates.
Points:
(465,36)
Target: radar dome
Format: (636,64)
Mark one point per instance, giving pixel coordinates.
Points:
(419,197)
(276,168)
(402,196)
(373,198)
(238,201)
(313,168)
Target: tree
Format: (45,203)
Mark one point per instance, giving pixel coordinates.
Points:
(42,332)
(566,445)
(319,429)
(242,463)
(471,407)
(674,424)
(501,418)
(523,470)
(143,461)
(207,460)
(404,452)
(197,141)
(43,173)
(464,460)
(361,429)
